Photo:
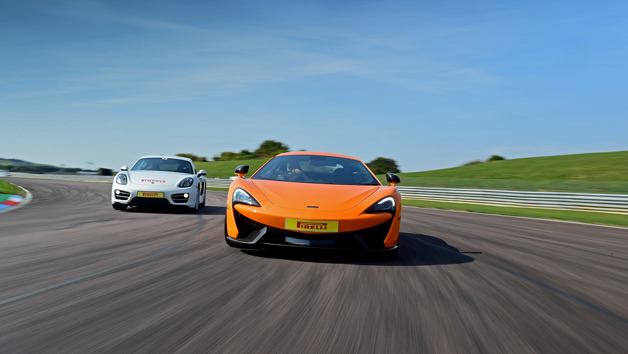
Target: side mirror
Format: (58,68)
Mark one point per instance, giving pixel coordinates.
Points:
(393,179)
(242,170)
(124,168)
(202,173)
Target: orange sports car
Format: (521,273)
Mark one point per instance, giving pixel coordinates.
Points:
(313,200)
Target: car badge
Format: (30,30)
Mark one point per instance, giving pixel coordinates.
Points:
(153,182)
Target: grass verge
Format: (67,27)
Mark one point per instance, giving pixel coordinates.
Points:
(8,188)
(566,215)
(216,189)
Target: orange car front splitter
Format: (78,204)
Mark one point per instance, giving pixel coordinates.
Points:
(256,234)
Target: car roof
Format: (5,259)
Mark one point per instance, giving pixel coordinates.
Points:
(318,153)
(168,157)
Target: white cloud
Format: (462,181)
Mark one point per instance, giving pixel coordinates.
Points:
(195,60)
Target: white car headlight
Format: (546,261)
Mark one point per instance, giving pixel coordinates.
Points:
(384,205)
(186,182)
(122,179)
(240,196)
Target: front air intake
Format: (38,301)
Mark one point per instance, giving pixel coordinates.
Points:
(179,197)
(122,195)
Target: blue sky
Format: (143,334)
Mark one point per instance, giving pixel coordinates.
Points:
(431,84)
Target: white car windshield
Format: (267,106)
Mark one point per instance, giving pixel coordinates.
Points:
(163,164)
(316,169)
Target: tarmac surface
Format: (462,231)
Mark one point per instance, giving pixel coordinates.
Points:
(77,276)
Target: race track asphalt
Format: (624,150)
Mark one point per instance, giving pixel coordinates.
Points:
(78,277)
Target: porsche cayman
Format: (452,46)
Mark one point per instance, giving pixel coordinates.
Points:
(159,181)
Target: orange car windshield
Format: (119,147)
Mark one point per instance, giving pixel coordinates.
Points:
(316,169)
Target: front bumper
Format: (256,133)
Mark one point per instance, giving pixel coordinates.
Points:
(372,238)
(127,194)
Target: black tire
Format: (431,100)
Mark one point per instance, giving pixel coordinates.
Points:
(118,206)
(389,255)
(392,254)
(202,205)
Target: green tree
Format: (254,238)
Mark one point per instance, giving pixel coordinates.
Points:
(226,156)
(194,157)
(383,165)
(495,158)
(270,148)
(472,162)
(245,155)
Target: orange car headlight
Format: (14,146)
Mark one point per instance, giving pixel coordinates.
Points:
(384,205)
(240,196)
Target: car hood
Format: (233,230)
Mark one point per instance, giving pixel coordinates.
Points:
(157,178)
(328,197)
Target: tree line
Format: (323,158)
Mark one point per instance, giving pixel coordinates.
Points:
(492,158)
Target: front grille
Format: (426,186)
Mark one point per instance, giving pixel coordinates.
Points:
(179,198)
(122,195)
(371,238)
(149,201)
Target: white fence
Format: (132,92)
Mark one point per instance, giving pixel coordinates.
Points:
(76,178)
(610,203)
(220,183)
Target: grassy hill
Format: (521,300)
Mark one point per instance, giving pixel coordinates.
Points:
(17,165)
(224,169)
(17,162)
(603,166)
(605,172)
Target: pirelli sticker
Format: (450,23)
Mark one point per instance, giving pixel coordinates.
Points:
(150,194)
(311,225)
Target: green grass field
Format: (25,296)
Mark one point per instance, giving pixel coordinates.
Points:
(603,166)
(605,172)
(8,188)
(224,169)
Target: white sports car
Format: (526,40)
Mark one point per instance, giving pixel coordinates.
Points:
(159,181)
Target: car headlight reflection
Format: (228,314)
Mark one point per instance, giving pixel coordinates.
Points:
(186,182)
(240,196)
(384,205)
(121,178)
